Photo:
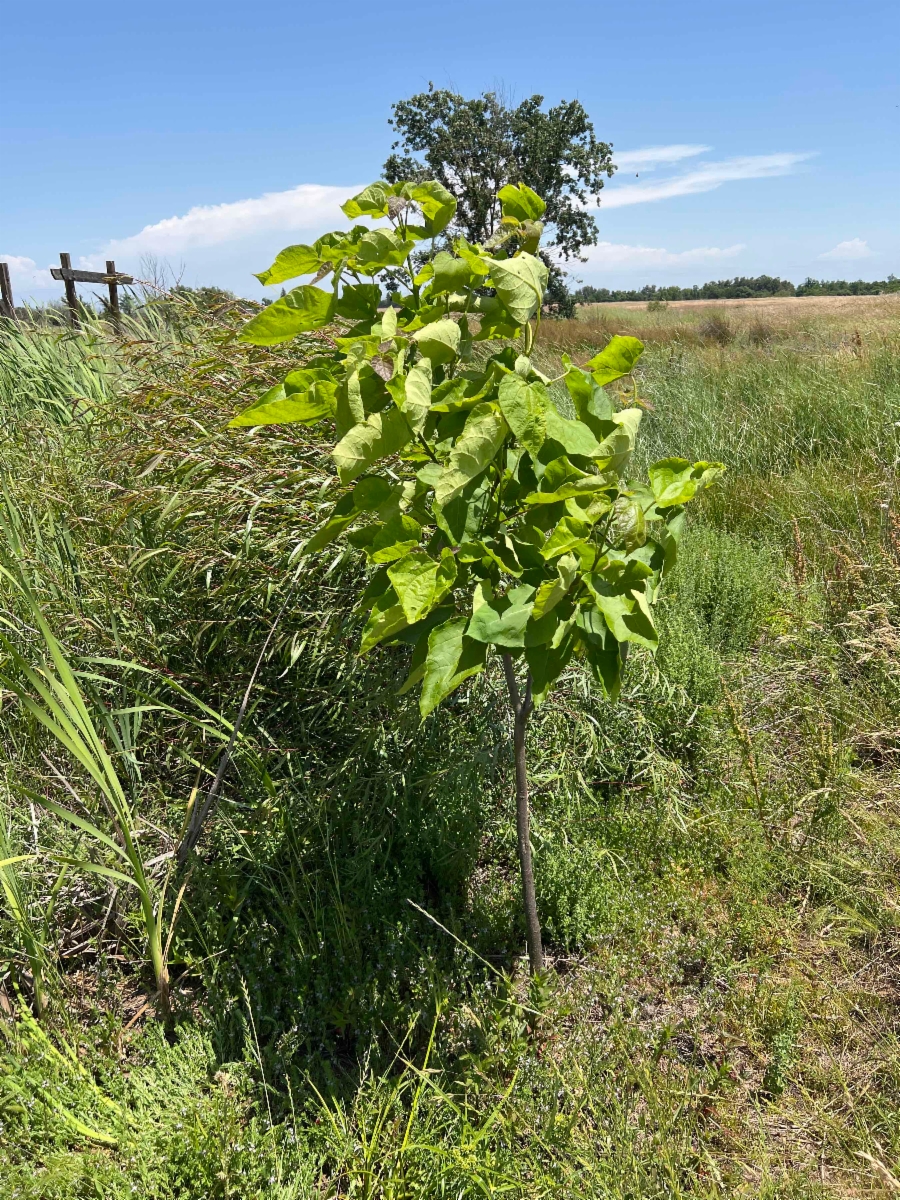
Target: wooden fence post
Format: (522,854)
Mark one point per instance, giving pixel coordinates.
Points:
(7,304)
(113,295)
(71,295)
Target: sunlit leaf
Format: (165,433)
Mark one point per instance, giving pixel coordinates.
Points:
(574,436)
(675,480)
(519,201)
(380,435)
(483,435)
(564,537)
(394,538)
(439,341)
(437,204)
(303,309)
(450,274)
(421,582)
(452,658)
(291,262)
(520,284)
(412,393)
(277,407)
(501,622)
(616,359)
(370,202)
(525,407)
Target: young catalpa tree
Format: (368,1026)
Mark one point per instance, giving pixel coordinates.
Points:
(491,521)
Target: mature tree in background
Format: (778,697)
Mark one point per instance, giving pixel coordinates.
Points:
(476,147)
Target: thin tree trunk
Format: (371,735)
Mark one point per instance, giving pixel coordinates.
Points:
(522,706)
(164,995)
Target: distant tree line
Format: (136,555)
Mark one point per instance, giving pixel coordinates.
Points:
(840,287)
(740,288)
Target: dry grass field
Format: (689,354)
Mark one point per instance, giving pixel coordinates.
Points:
(849,307)
(801,320)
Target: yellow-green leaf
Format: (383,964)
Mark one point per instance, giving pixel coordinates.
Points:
(380,435)
(520,284)
(617,358)
(452,658)
(439,340)
(385,619)
(552,591)
(291,262)
(519,201)
(303,309)
(567,533)
(421,582)
(370,202)
(278,408)
(525,407)
(675,480)
(483,435)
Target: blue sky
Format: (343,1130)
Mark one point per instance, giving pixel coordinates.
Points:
(764,136)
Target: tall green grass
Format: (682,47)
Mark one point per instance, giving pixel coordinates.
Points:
(716,854)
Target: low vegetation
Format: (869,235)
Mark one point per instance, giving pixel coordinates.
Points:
(742,287)
(716,852)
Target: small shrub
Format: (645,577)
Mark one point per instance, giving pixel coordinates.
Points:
(729,585)
(685,657)
(760,333)
(780,1031)
(716,329)
(574,883)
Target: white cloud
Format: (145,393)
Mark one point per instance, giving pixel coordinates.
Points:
(248,226)
(846,251)
(705,178)
(309,206)
(619,254)
(25,273)
(653,156)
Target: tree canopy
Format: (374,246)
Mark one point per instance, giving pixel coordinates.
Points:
(742,287)
(476,147)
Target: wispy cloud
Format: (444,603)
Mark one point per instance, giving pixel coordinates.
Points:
(652,157)
(704,178)
(24,273)
(620,254)
(310,207)
(307,210)
(847,251)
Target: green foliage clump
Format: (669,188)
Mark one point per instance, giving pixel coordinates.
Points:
(731,585)
(742,287)
(475,148)
(487,517)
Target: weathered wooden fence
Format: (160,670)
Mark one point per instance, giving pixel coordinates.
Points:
(69,276)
